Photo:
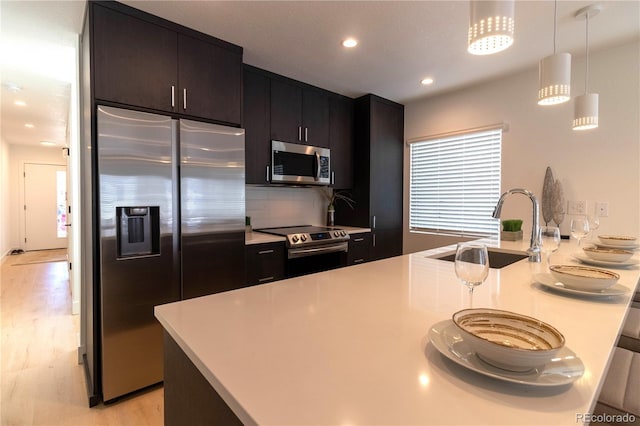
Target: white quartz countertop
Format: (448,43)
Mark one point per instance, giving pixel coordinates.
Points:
(255,237)
(350,346)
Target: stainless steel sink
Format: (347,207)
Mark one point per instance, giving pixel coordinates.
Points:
(497,258)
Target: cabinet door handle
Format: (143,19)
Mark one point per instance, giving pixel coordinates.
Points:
(357,240)
(184,99)
(333,178)
(173,96)
(306,134)
(268,175)
(374,240)
(262,280)
(358,260)
(373,220)
(300,133)
(265,251)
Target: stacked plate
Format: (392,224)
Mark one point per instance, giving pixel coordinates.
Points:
(610,250)
(582,281)
(618,241)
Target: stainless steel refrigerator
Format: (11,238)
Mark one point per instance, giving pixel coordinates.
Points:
(171,223)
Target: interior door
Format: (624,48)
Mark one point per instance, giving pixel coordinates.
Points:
(45,206)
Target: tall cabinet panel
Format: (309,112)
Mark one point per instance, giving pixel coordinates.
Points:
(341,141)
(379,129)
(256,117)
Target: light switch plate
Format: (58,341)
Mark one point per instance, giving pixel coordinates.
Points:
(577,207)
(602,209)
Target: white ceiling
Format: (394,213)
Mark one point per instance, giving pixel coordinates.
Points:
(400,43)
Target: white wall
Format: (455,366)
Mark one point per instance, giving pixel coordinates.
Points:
(18,155)
(595,165)
(5,226)
(285,206)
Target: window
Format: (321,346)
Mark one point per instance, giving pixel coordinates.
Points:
(455,182)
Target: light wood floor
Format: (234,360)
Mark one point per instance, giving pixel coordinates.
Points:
(40,379)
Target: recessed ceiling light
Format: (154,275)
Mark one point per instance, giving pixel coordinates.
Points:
(427,81)
(29,125)
(47,143)
(20,103)
(350,42)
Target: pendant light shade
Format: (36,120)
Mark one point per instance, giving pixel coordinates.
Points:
(586,112)
(491,26)
(555,79)
(554,73)
(586,106)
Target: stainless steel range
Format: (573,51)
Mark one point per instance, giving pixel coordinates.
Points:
(312,248)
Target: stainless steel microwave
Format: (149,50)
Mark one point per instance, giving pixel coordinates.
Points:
(300,164)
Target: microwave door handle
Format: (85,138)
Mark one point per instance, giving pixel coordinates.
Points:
(317,171)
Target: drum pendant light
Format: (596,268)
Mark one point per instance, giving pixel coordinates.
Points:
(586,106)
(491,26)
(554,73)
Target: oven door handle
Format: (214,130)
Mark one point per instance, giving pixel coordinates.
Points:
(295,253)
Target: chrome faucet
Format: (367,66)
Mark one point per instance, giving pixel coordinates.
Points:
(534,246)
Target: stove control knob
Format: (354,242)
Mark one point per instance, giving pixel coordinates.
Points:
(294,238)
(336,234)
(303,237)
(343,233)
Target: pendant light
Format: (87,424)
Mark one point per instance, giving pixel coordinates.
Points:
(491,26)
(586,106)
(554,73)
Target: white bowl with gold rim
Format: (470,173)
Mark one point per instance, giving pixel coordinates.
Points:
(618,240)
(608,254)
(508,340)
(584,278)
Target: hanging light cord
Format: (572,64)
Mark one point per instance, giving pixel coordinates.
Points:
(586,72)
(555,17)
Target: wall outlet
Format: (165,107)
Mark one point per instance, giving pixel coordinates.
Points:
(602,209)
(577,207)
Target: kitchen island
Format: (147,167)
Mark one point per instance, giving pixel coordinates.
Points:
(351,346)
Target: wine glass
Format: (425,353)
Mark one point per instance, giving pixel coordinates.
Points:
(579,228)
(549,240)
(472,265)
(594,221)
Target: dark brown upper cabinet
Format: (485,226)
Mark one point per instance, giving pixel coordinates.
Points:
(210,80)
(135,62)
(299,114)
(256,117)
(341,141)
(144,61)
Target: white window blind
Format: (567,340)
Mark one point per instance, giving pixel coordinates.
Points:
(455,183)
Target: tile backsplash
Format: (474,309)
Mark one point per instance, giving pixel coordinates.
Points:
(285,206)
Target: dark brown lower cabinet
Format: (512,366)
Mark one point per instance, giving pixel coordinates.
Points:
(265,262)
(189,399)
(359,245)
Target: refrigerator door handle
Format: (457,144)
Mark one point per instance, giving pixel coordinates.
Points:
(184,99)
(173,96)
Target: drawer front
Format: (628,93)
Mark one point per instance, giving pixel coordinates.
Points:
(265,262)
(359,248)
